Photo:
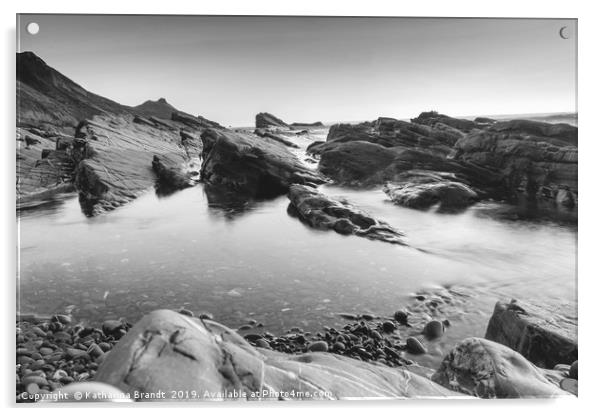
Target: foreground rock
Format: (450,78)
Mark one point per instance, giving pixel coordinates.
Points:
(168,351)
(536,159)
(267,120)
(249,165)
(319,211)
(545,338)
(423,189)
(486,369)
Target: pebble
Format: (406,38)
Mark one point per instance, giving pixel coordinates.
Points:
(206,315)
(32,388)
(570,385)
(37,331)
(111,327)
(39,380)
(338,346)
(94,351)
(573,371)
(401,317)
(61,336)
(105,346)
(64,319)
(388,326)
(433,329)
(318,346)
(414,346)
(245,327)
(185,312)
(23,351)
(46,351)
(262,343)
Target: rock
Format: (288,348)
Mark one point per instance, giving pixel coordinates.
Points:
(401,317)
(570,385)
(168,351)
(433,329)
(273,136)
(544,337)
(262,343)
(432,118)
(266,120)
(486,369)
(389,326)
(63,319)
(306,125)
(318,346)
(573,371)
(195,123)
(248,165)
(536,160)
(423,189)
(171,173)
(322,212)
(112,327)
(186,312)
(414,346)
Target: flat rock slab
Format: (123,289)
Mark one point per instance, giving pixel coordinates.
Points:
(544,337)
(486,369)
(167,351)
(322,212)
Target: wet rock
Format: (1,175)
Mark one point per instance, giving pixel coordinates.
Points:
(544,337)
(433,329)
(266,120)
(423,189)
(401,317)
(250,166)
(322,212)
(185,312)
(388,326)
(168,351)
(171,172)
(112,327)
(318,346)
(414,346)
(486,369)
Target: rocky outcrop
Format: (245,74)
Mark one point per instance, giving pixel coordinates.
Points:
(251,166)
(167,351)
(307,125)
(537,160)
(160,109)
(486,369)
(432,118)
(423,189)
(267,120)
(546,338)
(273,136)
(171,173)
(195,123)
(319,211)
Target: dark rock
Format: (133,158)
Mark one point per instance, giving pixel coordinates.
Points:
(318,346)
(487,369)
(251,166)
(414,346)
(545,338)
(431,118)
(112,327)
(433,329)
(388,326)
(273,136)
(171,174)
(262,343)
(484,120)
(186,312)
(319,211)
(423,189)
(266,120)
(167,351)
(401,317)
(573,371)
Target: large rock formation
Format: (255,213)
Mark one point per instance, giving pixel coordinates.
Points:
(485,369)
(160,109)
(537,160)
(423,189)
(166,351)
(319,211)
(250,165)
(316,124)
(267,120)
(546,338)
(433,118)
(276,137)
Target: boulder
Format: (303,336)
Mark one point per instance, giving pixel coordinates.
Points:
(544,337)
(486,369)
(167,351)
(322,212)
(267,120)
(250,166)
(423,189)
(537,160)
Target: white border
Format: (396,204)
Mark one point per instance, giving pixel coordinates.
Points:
(589,198)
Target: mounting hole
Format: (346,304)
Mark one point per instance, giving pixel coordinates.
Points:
(33,28)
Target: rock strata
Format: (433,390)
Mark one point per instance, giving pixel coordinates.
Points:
(319,211)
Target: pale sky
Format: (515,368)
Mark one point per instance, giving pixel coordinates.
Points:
(306,69)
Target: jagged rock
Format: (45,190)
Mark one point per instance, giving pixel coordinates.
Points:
(486,369)
(160,109)
(544,337)
(431,118)
(198,123)
(277,137)
(167,351)
(307,125)
(171,173)
(535,159)
(267,120)
(250,165)
(423,189)
(319,211)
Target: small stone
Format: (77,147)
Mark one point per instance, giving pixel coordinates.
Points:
(36,356)
(318,346)
(338,346)
(349,316)
(46,351)
(388,326)
(37,331)
(573,370)
(433,329)
(61,336)
(39,380)
(401,317)
(368,317)
(64,319)
(32,388)
(111,327)
(185,312)
(105,346)
(23,351)
(206,315)
(94,350)
(262,343)
(74,353)
(245,327)
(570,385)
(414,346)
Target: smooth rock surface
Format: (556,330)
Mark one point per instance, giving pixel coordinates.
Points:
(168,351)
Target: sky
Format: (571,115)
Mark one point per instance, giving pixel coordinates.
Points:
(305,69)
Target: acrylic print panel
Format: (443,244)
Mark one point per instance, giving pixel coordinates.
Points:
(308,208)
